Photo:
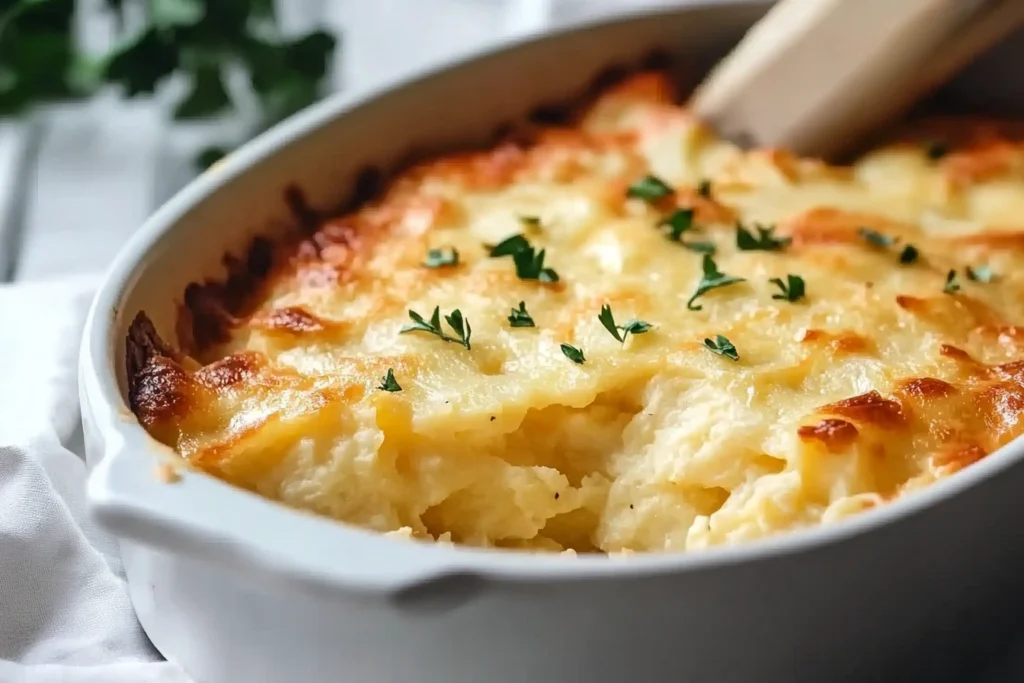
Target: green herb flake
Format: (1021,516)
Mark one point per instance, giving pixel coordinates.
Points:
(792,289)
(520,318)
(389,383)
(530,266)
(445,257)
(573,354)
(700,247)
(704,188)
(631,327)
(952,286)
(635,326)
(764,240)
(877,239)
(909,254)
(528,261)
(650,188)
(510,246)
(458,324)
(461,327)
(678,222)
(935,150)
(531,223)
(982,274)
(722,346)
(712,279)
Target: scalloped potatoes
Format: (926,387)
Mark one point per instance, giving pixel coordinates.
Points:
(872,314)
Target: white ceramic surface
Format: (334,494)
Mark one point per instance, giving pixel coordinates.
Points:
(236,588)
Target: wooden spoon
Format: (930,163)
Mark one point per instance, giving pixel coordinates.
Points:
(817,76)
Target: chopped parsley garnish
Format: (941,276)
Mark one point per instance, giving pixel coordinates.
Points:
(529,262)
(631,326)
(530,266)
(678,222)
(909,254)
(980,274)
(520,318)
(650,188)
(792,288)
(530,222)
(936,150)
(461,327)
(509,246)
(952,286)
(704,188)
(877,239)
(700,247)
(722,346)
(573,354)
(712,279)
(445,257)
(389,383)
(764,240)
(459,324)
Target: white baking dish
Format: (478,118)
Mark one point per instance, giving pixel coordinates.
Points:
(236,588)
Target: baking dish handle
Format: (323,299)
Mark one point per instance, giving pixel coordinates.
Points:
(195,515)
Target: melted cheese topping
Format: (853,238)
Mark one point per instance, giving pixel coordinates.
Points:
(875,384)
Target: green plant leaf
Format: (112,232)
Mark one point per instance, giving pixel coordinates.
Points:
(510,246)
(141,65)
(722,346)
(206,97)
(712,279)
(574,354)
(209,156)
(310,55)
(650,188)
(520,317)
(389,383)
(678,222)
(167,13)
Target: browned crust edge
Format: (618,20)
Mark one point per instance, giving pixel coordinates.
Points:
(142,344)
(211,307)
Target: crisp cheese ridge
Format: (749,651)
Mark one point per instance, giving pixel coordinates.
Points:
(885,377)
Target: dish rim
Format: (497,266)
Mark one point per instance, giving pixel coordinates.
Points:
(119,496)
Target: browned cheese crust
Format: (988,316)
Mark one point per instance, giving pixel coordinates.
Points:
(888,374)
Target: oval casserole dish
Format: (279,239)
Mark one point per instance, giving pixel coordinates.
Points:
(235,587)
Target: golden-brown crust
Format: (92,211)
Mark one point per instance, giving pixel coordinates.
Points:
(163,391)
(958,456)
(925,388)
(868,409)
(233,370)
(834,433)
(824,225)
(312,324)
(845,341)
(293,320)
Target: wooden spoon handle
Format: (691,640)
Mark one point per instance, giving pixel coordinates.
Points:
(815,76)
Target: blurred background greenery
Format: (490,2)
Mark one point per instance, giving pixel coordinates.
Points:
(231,55)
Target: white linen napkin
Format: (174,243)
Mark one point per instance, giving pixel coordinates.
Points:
(65,616)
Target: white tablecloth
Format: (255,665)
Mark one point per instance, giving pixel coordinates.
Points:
(65,616)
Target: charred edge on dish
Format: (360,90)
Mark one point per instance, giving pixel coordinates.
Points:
(213,306)
(142,343)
